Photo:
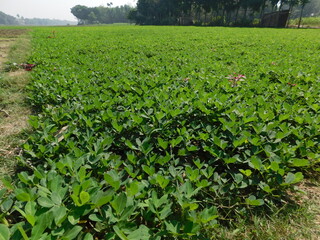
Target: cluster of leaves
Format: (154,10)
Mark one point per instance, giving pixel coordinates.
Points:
(140,134)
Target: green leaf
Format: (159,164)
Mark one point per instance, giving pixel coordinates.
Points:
(31,219)
(127,212)
(42,222)
(116,126)
(131,157)
(164,144)
(256,163)
(132,189)
(4,232)
(72,233)
(6,205)
(45,202)
(274,166)
(230,160)
(251,200)
(120,234)
(30,208)
(191,228)
(165,212)
(113,179)
(238,178)
(23,196)
(119,203)
(56,198)
(23,233)
(95,217)
(23,176)
(103,200)
(209,214)
(172,227)
(164,159)
(84,197)
(221,143)
(88,236)
(130,145)
(238,142)
(59,214)
(293,178)
(162,181)
(149,170)
(176,141)
(265,187)
(142,233)
(82,174)
(300,162)
(290,178)
(6,181)
(246,172)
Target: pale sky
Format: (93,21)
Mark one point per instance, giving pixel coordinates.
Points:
(52,9)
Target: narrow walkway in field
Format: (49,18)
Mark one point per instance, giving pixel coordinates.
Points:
(14,112)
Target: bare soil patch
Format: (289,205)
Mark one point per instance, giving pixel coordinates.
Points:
(12,33)
(14,112)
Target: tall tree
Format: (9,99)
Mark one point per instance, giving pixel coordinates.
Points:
(86,15)
(303,4)
(81,13)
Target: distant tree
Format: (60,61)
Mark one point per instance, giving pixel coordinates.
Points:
(81,13)
(107,15)
(303,4)
(6,19)
(132,15)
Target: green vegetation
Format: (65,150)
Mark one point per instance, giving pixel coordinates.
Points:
(19,20)
(104,15)
(7,19)
(163,132)
(307,22)
(215,12)
(312,9)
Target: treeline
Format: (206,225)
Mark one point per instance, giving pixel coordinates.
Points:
(6,19)
(45,22)
(106,15)
(208,12)
(312,9)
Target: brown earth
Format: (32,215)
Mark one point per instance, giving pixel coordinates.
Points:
(12,33)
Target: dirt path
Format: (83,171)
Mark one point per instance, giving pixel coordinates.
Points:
(13,110)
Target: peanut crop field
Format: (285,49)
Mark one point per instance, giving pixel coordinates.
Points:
(143,132)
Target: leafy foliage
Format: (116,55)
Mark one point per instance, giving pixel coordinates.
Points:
(141,135)
(212,12)
(107,15)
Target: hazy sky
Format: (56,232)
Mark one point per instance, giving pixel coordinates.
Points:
(57,9)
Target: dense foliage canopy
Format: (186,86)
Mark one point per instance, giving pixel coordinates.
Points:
(94,15)
(207,12)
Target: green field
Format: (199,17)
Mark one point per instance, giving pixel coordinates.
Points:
(162,132)
(307,22)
